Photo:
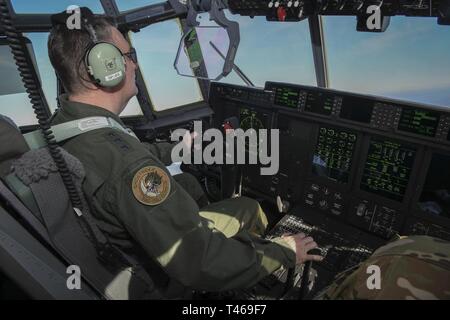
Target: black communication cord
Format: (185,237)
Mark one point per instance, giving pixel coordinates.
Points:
(106,252)
(32,86)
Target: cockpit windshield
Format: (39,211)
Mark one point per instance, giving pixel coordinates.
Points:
(408,61)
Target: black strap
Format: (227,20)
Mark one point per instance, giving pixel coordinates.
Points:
(107,253)
(69,239)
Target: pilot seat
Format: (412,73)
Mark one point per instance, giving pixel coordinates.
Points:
(31,185)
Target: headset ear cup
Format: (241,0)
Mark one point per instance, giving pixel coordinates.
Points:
(105,64)
(88,66)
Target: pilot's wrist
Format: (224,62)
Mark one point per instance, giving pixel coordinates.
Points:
(289,248)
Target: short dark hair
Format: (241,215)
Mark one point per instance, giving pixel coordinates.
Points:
(67,48)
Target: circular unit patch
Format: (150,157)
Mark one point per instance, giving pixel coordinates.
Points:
(151,185)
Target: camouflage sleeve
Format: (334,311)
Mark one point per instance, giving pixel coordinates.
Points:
(412,268)
(161,150)
(165,220)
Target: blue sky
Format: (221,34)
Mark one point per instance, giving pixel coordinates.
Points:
(409,61)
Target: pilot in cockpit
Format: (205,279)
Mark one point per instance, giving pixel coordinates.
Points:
(163,221)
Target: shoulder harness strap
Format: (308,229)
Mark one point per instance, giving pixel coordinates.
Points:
(68,130)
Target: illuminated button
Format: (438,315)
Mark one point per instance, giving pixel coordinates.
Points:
(270,5)
(296,4)
(227,126)
(281,13)
(289,4)
(277,4)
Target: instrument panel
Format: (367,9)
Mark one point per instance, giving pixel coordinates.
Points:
(379,165)
(383,114)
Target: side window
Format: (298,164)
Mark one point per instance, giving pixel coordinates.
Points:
(133,108)
(45,69)
(157,47)
(14,102)
(18,108)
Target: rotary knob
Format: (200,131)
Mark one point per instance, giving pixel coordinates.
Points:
(323,204)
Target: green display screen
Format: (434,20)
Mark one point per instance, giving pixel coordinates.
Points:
(333,154)
(419,121)
(319,103)
(387,169)
(287,97)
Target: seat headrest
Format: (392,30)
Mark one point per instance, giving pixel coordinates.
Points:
(12,143)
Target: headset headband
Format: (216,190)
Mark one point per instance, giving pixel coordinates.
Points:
(104,62)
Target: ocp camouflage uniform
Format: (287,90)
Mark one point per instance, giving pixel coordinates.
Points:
(147,214)
(412,268)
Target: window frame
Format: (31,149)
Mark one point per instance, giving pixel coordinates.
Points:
(30,58)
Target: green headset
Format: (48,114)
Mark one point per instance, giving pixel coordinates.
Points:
(104,62)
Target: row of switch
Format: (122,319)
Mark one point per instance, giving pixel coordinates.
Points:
(289,4)
(325,199)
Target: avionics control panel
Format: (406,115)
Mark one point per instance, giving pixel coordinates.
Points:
(379,165)
(409,119)
(296,10)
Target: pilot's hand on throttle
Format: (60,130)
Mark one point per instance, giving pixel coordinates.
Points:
(303,245)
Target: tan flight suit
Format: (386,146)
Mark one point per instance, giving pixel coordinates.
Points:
(146,213)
